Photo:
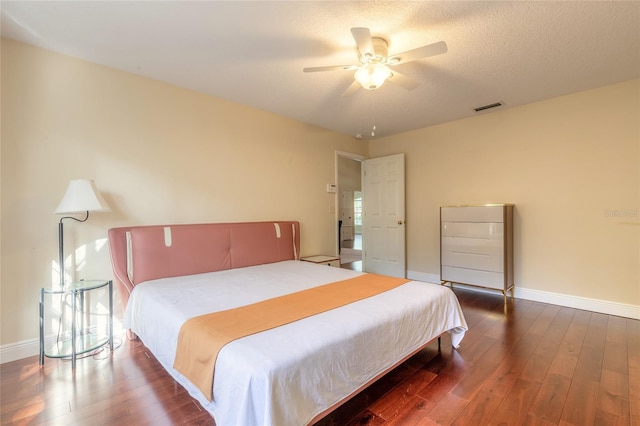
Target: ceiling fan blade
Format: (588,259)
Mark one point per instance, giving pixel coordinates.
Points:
(404,81)
(362,36)
(353,88)
(418,53)
(330,68)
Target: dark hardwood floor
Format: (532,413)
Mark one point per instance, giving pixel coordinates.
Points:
(538,364)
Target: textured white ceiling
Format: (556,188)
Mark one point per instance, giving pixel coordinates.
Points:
(253,52)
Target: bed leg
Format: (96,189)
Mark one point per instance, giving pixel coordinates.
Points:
(439,343)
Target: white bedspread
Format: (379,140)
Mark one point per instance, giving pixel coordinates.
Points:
(288,375)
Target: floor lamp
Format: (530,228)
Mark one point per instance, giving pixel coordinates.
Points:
(82,196)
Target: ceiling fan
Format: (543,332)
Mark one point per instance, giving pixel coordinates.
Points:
(373,69)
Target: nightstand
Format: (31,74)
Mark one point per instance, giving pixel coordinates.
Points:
(322,259)
(83,339)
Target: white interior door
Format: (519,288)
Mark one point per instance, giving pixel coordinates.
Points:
(383,216)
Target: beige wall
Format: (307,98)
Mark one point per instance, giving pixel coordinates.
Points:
(159,154)
(162,154)
(571,165)
(349,174)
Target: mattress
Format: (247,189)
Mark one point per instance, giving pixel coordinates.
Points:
(290,374)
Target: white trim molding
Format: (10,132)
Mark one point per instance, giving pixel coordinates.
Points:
(31,347)
(577,302)
(25,348)
(19,350)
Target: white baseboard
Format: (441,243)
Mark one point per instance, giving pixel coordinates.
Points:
(577,302)
(19,350)
(27,348)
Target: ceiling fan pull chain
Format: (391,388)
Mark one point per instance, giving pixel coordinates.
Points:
(373,115)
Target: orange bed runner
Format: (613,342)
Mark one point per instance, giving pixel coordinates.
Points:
(202,337)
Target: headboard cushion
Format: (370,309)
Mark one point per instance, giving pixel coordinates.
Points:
(143,253)
(254,244)
(171,251)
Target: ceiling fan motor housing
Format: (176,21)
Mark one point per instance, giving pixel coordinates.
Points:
(381,50)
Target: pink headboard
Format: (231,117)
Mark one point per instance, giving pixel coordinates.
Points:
(142,253)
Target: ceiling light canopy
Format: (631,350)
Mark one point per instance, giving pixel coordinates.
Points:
(372,75)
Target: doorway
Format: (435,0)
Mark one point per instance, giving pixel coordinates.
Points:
(349,210)
(351,229)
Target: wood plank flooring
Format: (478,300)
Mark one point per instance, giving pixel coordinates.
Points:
(538,364)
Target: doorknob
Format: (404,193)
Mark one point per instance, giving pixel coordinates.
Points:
(400,222)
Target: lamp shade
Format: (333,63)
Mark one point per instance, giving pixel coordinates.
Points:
(82,196)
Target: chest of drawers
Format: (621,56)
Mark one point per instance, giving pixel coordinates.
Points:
(476,246)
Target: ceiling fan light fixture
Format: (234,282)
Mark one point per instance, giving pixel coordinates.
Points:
(374,62)
(372,75)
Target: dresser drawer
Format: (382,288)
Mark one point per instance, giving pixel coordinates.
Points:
(472,214)
(487,279)
(487,230)
(473,253)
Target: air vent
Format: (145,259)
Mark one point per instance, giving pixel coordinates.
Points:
(484,107)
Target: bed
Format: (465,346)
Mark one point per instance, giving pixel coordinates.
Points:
(295,373)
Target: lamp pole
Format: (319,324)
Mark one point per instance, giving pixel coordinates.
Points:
(61,244)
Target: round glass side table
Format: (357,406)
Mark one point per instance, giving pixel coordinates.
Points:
(81,340)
